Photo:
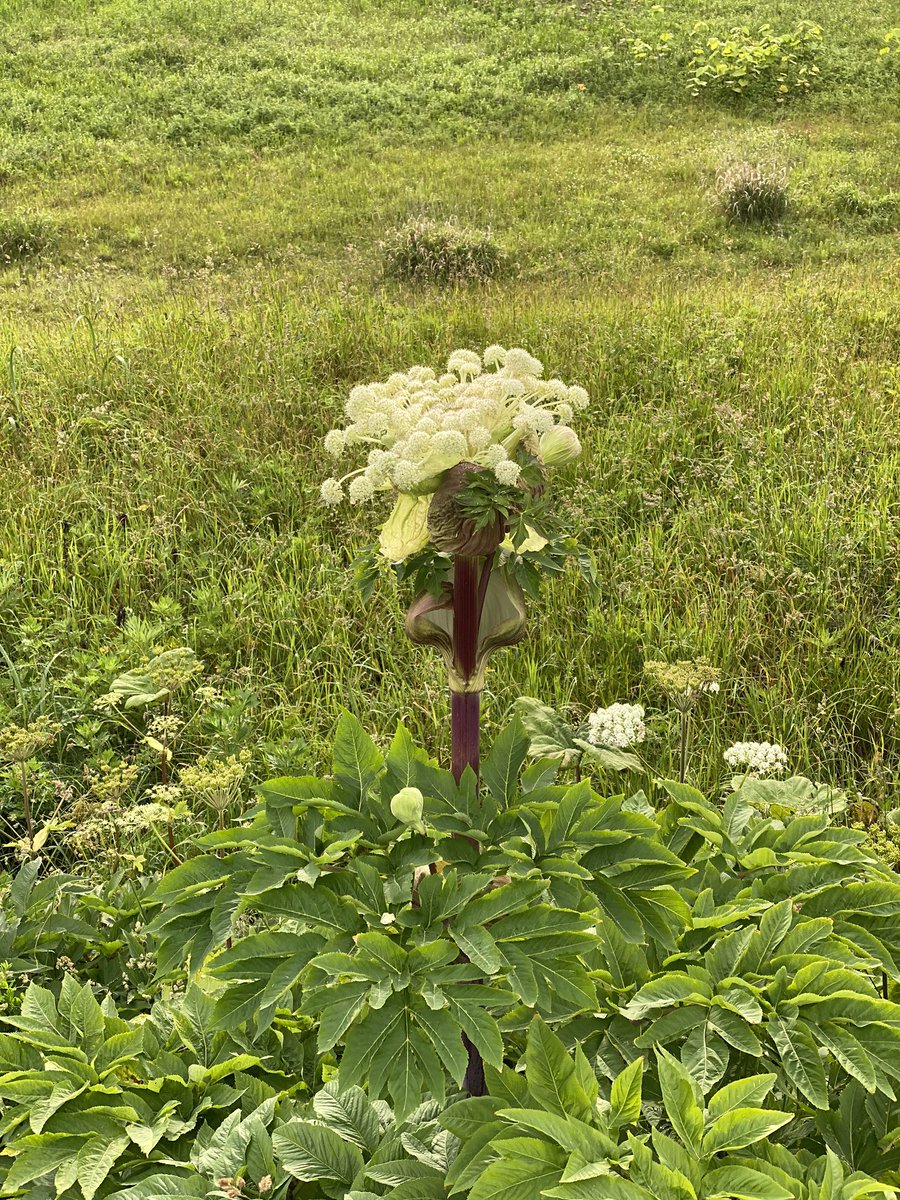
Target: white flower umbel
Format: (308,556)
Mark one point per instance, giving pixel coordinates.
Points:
(416,425)
(757,758)
(617,727)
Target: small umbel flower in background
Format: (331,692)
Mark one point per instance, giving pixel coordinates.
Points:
(216,782)
(18,745)
(618,727)
(757,759)
(684,684)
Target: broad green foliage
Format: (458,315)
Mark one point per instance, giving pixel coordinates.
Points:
(701,997)
(552,737)
(738,941)
(780,967)
(84,1093)
(51,920)
(746,61)
(546,1133)
(398,941)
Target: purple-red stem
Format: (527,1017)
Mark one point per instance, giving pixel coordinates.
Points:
(465,717)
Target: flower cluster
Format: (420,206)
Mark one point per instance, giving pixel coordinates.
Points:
(684,682)
(145,816)
(19,743)
(216,782)
(617,727)
(172,669)
(112,782)
(417,425)
(757,758)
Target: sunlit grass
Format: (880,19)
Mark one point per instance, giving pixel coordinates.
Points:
(172,359)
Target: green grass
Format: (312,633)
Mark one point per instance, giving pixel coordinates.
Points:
(218,179)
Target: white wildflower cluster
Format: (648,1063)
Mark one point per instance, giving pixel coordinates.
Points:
(757,758)
(416,425)
(617,727)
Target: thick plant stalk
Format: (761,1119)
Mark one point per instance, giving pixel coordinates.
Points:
(465,722)
(465,715)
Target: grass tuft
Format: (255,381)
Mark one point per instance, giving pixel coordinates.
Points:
(753,192)
(433,251)
(26,235)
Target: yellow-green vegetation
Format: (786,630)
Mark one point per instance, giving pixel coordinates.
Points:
(194,197)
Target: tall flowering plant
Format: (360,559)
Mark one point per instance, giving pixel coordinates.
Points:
(464,455)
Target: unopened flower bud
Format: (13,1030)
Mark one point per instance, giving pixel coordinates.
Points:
(407,805)
(559,445)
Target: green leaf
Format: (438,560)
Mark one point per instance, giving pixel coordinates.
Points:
(164,1187)
(349,1113)
(314,1153)
(500,773)
(743,1093)
(849,1052)
(31,1164)
(673,988)
(480,1027)
(402,761)
(737,1182)
(705,1055)
(443,1033)
(356,761)
(316,906)
(528,1167)
(340,1008)
(625,1098)
(550,736)
(613,1188)
(479,947)
(551,1075)
(800,1059)
(735,1031)
(682,1098)
(742,1127)
(671,1026)
(609,758)
(95,1160)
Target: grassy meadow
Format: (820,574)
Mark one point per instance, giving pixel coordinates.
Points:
(192,198)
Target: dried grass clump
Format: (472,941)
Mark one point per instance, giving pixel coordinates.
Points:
(751,192)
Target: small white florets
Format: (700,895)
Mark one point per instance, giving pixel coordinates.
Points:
(757,758)
(617,727)
(361,489)
(520,364)
(335,442)
(331,492)
(416,425)
(507,472)
(465,363)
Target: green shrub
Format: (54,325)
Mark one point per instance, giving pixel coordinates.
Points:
(432,251)
(751,192)
(26,235)
(744,937)
(758,63)
(548,1132)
